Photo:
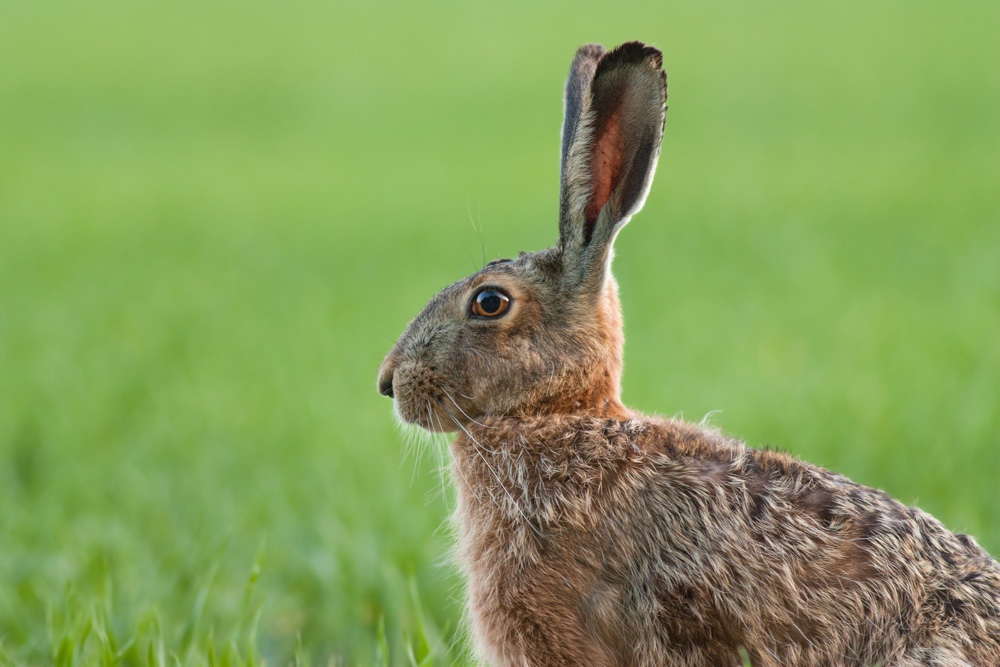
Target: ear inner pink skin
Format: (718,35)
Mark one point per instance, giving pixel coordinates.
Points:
(607,163)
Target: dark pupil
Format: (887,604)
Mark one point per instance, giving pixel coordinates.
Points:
(490,302)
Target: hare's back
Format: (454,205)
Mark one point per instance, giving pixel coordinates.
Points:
(789,550)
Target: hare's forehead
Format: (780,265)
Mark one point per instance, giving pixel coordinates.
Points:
(531,272)
(532,267)
(519,276)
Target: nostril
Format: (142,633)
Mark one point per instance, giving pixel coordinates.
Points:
(385,386)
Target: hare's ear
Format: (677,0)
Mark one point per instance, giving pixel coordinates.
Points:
(615,107)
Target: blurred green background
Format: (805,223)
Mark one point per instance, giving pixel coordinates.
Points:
(215,219)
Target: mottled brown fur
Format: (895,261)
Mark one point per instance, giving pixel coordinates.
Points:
(592,535)
(643,529)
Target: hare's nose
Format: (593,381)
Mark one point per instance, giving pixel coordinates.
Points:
(385,374)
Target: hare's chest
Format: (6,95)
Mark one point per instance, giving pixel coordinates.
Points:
(541,579)
(528,597)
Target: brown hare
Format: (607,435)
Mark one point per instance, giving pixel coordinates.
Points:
(594,535)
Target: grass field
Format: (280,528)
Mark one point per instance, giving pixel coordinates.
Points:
(215,219)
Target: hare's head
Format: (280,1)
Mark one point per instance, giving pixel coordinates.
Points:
(541,334)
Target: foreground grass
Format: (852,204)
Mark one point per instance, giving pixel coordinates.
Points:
(215,220)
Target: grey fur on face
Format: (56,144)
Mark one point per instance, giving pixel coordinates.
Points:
(594,535)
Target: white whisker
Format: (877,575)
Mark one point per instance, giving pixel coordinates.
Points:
(455,403)
(479,449)
(439,455)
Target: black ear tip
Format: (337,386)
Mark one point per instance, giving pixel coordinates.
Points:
(633,52)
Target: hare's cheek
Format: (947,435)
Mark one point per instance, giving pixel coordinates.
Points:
(484,389)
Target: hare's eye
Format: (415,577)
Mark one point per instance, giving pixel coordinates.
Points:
(490,303)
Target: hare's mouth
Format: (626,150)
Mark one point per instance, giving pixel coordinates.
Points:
(420,398)
(425,412)
(436,413)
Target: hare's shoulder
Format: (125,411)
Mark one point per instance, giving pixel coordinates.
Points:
(643,444)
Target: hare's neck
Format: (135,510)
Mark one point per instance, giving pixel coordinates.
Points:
(601,398)
(590,385)
(603,394)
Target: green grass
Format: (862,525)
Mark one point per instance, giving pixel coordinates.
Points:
(216,218)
